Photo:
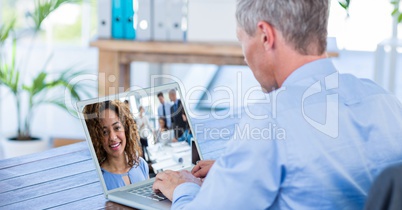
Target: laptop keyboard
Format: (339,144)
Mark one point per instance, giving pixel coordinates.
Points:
(147,192)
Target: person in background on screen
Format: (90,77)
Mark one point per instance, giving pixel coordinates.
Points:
(176,110)
(162,124)
(187,135)
(144,131)
(163,135)
(116,142)
(164,110)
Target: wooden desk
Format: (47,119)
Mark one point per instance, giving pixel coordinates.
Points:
(60,178)
(115,57)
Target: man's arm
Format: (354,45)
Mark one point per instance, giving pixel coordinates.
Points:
(247,177)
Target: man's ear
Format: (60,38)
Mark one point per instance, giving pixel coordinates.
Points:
(267,34)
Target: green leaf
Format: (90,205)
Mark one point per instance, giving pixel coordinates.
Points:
(26,88)
(9,77)
(42,87)
(396,11)
(400,18)
(345,4)
(16,82)
(43,8)
(6,29)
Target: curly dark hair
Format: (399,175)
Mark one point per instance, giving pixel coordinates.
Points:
(93,120)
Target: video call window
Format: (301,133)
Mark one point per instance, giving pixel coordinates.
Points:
(136,136)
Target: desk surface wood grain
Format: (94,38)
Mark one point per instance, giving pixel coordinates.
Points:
(61,178)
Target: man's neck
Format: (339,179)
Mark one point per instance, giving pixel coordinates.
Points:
(289,60)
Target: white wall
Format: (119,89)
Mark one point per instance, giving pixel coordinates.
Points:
(211,20)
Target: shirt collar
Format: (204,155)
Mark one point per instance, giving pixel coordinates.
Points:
(315,68)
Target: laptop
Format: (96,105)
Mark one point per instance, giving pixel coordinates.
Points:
(162,155)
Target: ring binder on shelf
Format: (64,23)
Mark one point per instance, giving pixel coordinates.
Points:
(117,22)
(143,14)
(128,19)
(104,19)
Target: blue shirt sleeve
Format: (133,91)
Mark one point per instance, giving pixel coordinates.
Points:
(237,176)
(184,193)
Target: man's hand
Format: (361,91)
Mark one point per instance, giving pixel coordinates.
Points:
(202,168)
(167,181)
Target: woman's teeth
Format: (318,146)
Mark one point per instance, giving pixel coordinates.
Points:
(114,145)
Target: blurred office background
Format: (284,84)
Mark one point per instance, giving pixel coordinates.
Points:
(67,33)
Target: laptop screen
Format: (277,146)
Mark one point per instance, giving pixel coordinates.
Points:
(135,135)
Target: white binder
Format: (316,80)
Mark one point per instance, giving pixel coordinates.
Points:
(104,19)
(160,12)
(143,19)
(176,20)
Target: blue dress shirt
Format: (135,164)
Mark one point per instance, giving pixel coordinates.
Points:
(135,174)
(315,143)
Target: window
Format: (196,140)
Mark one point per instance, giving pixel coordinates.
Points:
(70,24)
(369,23)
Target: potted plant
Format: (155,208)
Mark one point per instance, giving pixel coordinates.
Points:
(38,91)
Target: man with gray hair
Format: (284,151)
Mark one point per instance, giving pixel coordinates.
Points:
(339,131)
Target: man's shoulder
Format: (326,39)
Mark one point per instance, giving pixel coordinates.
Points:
(361,92)
(362,86)
(348,89)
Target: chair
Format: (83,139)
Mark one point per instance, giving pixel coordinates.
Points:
(386,191)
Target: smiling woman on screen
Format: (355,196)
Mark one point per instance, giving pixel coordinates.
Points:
(116,142)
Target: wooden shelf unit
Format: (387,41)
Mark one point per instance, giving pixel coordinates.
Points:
(115,57)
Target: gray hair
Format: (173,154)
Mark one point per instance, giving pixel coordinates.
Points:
(172,91)
(303,23)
